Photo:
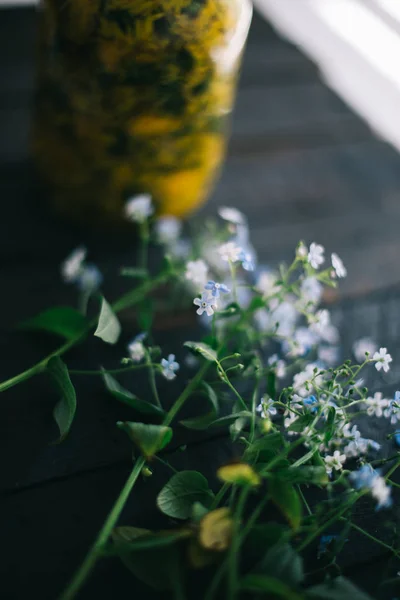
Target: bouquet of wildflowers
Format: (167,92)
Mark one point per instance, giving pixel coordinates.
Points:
(267,365)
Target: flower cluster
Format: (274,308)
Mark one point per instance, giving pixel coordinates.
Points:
(270,354)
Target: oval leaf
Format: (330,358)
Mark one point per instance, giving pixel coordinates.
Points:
(199,348)
(123,395)
(108,328)
(64,410)
(150,439)
(287,500)
(60,320)
(177,497)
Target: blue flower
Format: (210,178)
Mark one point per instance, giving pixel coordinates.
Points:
(247,260)
(206,304)
(397,437)
(169,367)
(312,403)
(266,408)
(364,477)
(216,288)
(324,542)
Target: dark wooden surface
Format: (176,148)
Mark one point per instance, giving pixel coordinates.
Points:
(300,165)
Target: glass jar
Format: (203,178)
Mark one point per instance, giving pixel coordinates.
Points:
(134,96)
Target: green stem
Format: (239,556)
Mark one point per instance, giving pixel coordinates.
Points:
(111,371)
(372,537)
(189,389)
(220,494)
(91,559)
(129,299)
(330,521)
(144,238)
(234,550)
(232,269)
(152,380)
(231,387)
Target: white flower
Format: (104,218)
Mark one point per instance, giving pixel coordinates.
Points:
(376,405)
(169,367)
(197,272)
(283,317)
(330,334)
(311,290)
(321,321)
(71,268)
(232,215)
(337,264)
(136,351)
(303,340)
(316,255)
(168,229)
(383,359)
(335,461)
(266,284)
(289,421)
(392,412)
(278,365)
(305,379)
(328,355)
(363,345)
(381,492)
(350,432)
(206,304)
(355,448)
(230,252)
(139,208)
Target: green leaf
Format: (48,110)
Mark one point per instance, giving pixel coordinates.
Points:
(123,395)
(271,585)
(134,539)
(108,328)
(338,589)
(202,422)
(301,423)
(266,448)
(145,314)
(283,562)
(310,475)
(330,424)
(256,303)
(287,500)
(60,320)
(264,536)
(177,497)
(150,439)
(153,566)
(64,410)
(229,311)
(222,421)
(134,273)
(200,348)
